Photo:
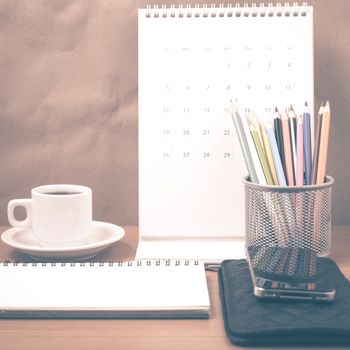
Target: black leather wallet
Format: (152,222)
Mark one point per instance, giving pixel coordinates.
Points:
(250,321)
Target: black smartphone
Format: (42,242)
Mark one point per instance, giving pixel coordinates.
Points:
(289,273)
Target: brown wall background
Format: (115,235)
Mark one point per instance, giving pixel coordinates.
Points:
(68,99)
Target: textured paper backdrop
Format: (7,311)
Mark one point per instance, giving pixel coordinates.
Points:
(68,99)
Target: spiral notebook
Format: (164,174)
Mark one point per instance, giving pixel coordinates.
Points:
(192,61)
(135,289)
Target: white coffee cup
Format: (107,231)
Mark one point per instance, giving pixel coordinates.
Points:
(58,215)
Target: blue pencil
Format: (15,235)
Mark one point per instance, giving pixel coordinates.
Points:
(307,145)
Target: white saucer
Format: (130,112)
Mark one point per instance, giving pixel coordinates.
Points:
(102,235)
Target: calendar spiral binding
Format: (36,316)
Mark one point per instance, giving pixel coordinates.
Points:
(157,262)
(230,10)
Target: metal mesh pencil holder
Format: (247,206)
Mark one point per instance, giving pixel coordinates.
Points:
(294,217)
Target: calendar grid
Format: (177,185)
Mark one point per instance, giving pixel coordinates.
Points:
(192,62)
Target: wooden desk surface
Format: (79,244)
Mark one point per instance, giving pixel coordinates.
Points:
(135,334)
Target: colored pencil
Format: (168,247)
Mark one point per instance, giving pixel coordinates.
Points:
(317,144)
(279,137)
(268,153)
(261,154)
(322,160)
(287,149)
(254,155)
(254,120)
(276,155)
(300,153)
(237,121)
(292,129)
(307,145)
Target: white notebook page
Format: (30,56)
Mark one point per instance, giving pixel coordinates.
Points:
(154,287)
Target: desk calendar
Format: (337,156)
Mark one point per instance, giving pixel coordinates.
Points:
(192,61)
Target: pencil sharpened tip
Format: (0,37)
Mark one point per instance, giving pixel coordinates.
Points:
(327,107)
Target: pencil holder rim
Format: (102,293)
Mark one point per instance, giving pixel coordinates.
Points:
(289,189)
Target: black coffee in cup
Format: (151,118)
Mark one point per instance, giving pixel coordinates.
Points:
(61,193)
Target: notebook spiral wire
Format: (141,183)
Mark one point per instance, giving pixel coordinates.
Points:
(156,262)
(270,9)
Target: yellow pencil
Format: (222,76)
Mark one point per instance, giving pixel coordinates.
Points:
(268,154)
(261,155)
(322,160)
(254,120)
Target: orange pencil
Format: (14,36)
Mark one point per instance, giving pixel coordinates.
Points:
(287,149)
(322,160)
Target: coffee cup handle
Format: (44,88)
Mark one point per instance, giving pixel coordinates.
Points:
(26,203)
